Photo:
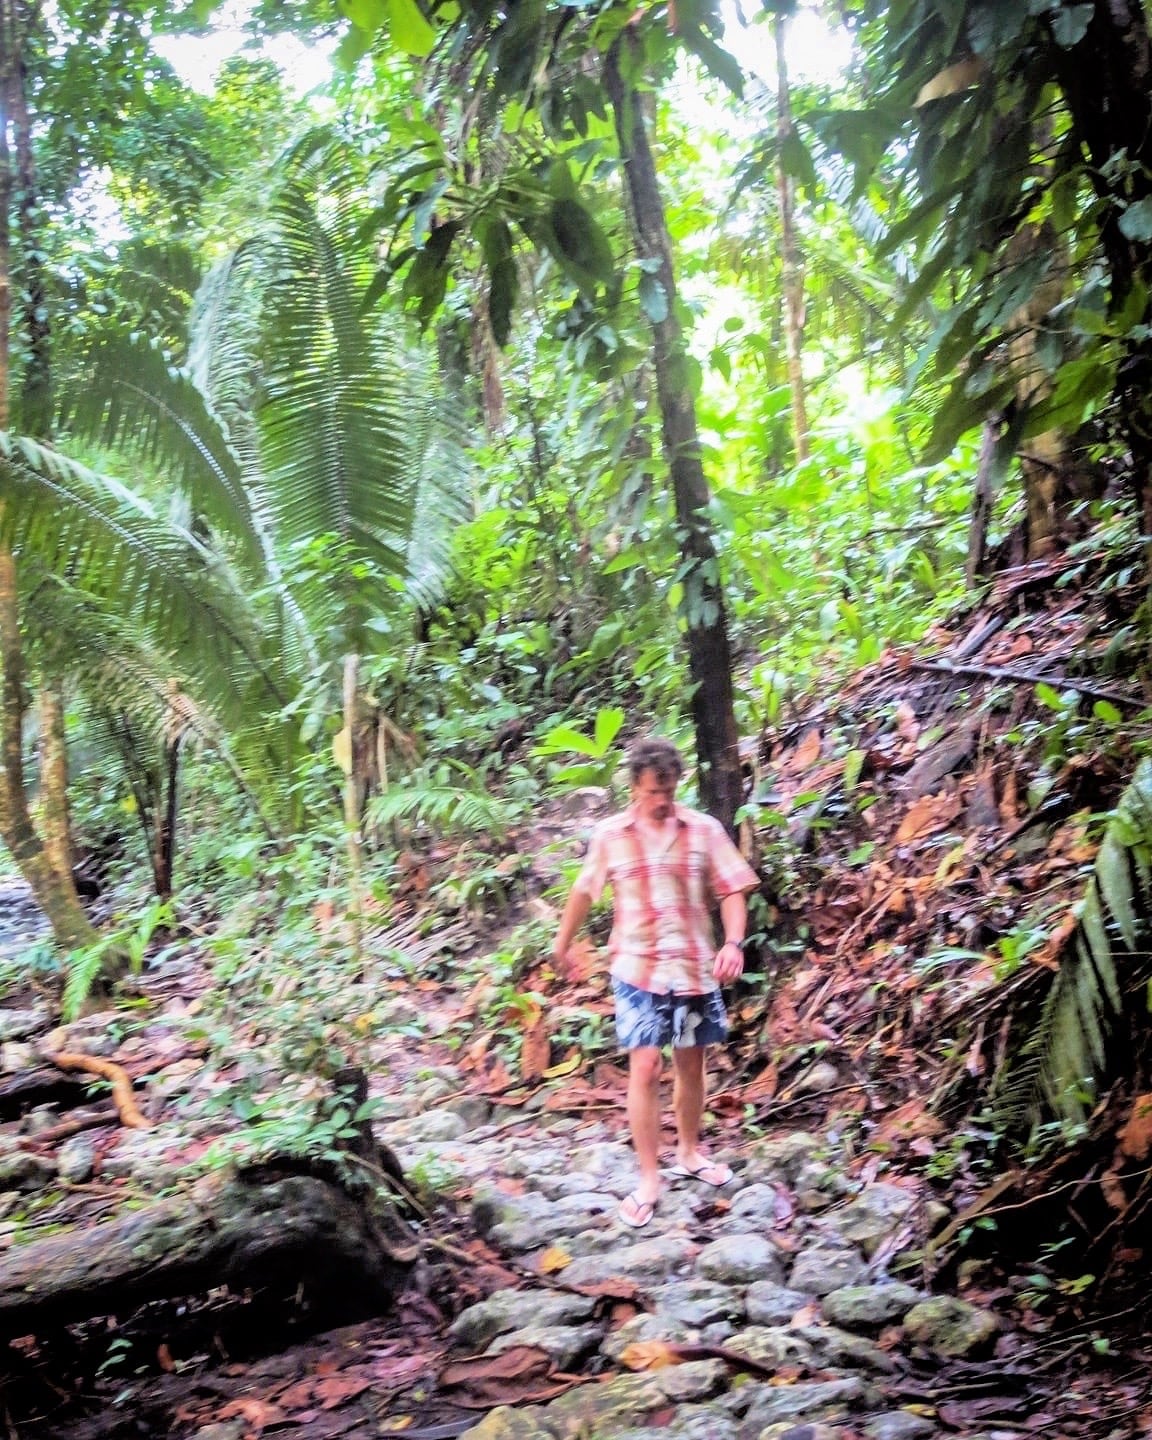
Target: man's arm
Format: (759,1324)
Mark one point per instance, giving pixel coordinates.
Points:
(575,913)
(729,962)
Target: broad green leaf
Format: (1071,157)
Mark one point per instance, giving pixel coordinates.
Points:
(366,15)
(410,30)
(653,299)
(1070,23)
(1136,221)
(608,723)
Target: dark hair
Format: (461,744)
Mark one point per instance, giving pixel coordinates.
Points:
(659,756)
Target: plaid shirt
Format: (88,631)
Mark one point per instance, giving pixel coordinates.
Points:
(663,889)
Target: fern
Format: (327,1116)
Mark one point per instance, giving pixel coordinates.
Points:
(83,967)
(449,809)
(1073,1042)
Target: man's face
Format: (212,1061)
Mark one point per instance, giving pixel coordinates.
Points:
(652,796)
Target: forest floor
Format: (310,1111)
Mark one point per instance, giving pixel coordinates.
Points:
(872,1271)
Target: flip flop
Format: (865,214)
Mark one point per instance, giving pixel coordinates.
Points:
(712,1172)
(642,1211)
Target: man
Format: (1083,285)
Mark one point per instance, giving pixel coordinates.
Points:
(667,865)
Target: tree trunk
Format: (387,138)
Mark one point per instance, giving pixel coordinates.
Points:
(702,610)
(793,271)
(258,1228)
(54,891)
(1107,83)
(55,822)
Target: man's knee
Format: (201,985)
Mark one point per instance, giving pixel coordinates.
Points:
(646,1064)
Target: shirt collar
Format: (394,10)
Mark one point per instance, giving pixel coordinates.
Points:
(678,814)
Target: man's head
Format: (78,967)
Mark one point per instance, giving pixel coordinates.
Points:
(654,767)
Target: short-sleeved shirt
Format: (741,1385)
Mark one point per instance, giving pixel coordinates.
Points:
(664,889)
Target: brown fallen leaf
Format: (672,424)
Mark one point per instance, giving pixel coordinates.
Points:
(515,1363)
(535,1050)
(1135,1137)
(649,1355)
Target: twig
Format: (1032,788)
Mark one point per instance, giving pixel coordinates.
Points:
(1028,677)
(100,1116)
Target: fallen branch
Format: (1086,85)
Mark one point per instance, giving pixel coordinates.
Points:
(1030,677)
(128,1110)
(259,1228)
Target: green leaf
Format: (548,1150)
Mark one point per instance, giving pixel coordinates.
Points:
(410,30)
(653,299)
(1070,24)
(366,15)
(608,723)
(1136,221)
(578,242)
(1050,697)
(1106,711)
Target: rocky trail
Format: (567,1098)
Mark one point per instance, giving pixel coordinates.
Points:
(794,1303)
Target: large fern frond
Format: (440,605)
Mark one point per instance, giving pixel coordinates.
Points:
(1072,1045)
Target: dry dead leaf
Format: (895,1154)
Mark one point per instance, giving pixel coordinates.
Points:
(926,815)
(535,1050)
(805,754)
(553,1260)
(1135,1137)
(649,1355)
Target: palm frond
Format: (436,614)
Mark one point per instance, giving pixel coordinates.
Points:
(1073,1044)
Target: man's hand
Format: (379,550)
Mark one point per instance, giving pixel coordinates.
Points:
(729,962)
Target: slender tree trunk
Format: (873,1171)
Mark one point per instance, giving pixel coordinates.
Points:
(55,822)
(793,270)
(352,792)
(53,889)
(709,653)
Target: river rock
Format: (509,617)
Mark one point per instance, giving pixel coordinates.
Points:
(817,1080)
(657,1259)
(567,1344)
(836,1347)
(556,1187)
(76,1160)
(740,1260)
(474,1110)
(15,1056)
(823,1268)
(863,1307)
(644,1328)
(507,1310)
(949,1326)
(773,1404)
(782,1157)
(604,1409)
(767,1303)
(19,1024)
(899,1425)
(431,1126)
(696,1302)
(506,1423)
(699,1422)
(21,1170)
(873,1217)
(773,1345)
(756,1206)
(695,1380)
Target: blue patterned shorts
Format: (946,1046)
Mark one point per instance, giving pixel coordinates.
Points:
(682,1021)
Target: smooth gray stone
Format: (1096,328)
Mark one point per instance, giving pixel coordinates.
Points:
(696,1302)
(643,1328)
(740,1260)
(950,1326)
(507,1310)
(876,1214)
(797,1402)
(899,1425)
(821,1269)
(567,1344)
(76,1160)
(656,1259)
(767,1303)
(868,1306)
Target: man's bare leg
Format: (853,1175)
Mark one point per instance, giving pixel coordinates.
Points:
(644,1067)
(691,1089)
